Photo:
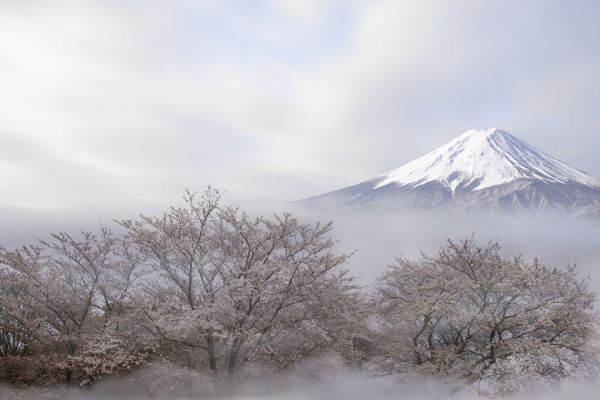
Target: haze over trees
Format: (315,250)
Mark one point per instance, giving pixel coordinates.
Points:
(215,294)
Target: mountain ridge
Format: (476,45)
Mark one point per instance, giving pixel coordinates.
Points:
(488,169)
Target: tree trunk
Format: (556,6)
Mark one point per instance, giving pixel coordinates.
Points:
(233,353)
(72,347)
(212,356)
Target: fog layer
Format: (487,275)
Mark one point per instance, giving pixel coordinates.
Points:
(378,239)
(316,379)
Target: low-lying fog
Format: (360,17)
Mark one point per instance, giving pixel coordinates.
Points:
(377,239)
(317,379)
(557,241)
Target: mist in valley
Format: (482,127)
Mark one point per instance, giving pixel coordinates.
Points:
(378,239)
(317,379)
(374,238)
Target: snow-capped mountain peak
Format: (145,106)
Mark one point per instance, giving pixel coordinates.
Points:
(479,159)
(479,170)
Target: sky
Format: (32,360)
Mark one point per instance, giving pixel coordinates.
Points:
(107,106)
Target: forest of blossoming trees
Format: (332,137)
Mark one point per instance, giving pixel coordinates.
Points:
(209,289)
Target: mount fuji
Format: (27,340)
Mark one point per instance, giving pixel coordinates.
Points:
(477,171)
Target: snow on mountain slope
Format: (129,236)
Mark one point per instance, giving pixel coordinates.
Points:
(482,158)
(479,170)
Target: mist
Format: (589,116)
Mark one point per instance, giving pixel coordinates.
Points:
(378,238)
(323,378)
(375,239)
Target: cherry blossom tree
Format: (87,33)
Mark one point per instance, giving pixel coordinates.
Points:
(469,315)
(228,288)
(61,293)
(18,323)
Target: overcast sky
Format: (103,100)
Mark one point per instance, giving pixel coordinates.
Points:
(111,104)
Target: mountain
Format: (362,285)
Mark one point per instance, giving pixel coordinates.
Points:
(479,170)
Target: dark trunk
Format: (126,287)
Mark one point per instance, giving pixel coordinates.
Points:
(233,353)
(71,347)
(212,356)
